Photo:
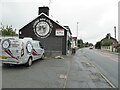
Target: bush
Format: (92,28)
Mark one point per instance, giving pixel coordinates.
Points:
(7,31)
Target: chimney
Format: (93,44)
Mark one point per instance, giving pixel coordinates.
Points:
(108,36)
(44,10)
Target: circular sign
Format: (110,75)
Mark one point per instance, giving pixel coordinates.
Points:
(6,44)
(29,47)
(42,28)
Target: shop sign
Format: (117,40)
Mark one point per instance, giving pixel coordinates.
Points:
(42,27)
(59,32)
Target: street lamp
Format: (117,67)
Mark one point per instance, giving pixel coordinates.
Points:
(77,29)
(115,31)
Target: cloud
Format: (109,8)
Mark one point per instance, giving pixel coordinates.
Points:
(96,17)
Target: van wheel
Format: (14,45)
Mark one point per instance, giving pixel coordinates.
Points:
(43,56)
(29,62)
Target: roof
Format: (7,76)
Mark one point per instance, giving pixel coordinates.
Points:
(110,38)
(48,18)
(67,27)
(75,38)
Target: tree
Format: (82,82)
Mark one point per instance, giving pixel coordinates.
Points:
(7,31)
(98,45)
(90,44)
(80,43)
(86,44)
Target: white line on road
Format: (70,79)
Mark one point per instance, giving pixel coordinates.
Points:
(108,81)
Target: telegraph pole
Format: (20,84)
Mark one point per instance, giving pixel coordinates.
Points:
(115,31)
(77,29)
(49,3)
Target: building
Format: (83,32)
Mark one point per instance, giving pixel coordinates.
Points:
(109,43)
(74,42)
(53,36)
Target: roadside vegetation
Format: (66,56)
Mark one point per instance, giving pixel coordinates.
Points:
(81,44)
(7,30)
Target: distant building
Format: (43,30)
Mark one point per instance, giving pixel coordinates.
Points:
(109,43)
(53,36)
(74,42)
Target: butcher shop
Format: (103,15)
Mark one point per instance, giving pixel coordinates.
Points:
(55,38)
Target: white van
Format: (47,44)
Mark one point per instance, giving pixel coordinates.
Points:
(20,51)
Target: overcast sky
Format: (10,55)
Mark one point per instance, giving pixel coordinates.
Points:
(96,17)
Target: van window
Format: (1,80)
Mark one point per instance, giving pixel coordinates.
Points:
(40,45)
(15,43)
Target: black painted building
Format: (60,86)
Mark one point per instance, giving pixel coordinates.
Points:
(53,36)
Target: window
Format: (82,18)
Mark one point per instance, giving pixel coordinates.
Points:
(40,45)
(20,32)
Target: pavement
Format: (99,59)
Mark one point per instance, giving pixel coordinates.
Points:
(106,51)
(83,74)
(73,71)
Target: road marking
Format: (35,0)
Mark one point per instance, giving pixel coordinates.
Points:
(108,81)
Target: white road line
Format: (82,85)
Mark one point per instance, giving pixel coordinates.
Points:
(107,80)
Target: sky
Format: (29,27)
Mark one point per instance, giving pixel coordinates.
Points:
(96,17)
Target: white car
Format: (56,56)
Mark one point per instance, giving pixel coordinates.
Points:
(20,51)
(91,47)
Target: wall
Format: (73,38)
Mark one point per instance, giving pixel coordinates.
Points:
(108,48)
(52,42)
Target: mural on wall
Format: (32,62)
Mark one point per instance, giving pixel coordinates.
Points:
(42,27)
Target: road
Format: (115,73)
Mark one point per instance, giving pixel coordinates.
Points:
(75,71)
(106,62)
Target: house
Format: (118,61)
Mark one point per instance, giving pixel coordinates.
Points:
(53,36)
(109,43)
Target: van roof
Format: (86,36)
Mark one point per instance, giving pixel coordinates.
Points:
(27,38)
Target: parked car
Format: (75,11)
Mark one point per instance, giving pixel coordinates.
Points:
(20,51)
(91,47)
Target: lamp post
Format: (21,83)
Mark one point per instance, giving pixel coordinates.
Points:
(115,31)
(77,29)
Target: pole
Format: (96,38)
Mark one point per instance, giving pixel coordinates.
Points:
(77,29)
(49,3)
(115,31)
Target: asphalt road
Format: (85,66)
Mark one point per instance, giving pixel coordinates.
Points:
(71,72)
(106,62)
(42,74)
